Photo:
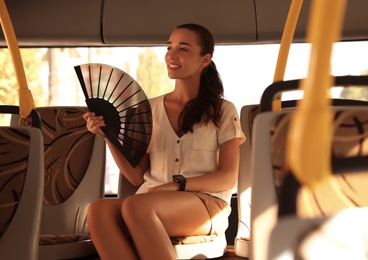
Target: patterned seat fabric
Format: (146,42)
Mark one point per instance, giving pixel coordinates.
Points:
(345,189)
(62,239)
(68,149)
(14,150)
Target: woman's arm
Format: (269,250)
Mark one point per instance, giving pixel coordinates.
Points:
(227,174)
(134,175)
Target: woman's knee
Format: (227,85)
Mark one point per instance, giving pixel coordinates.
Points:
(94,206)
(134,207)
(102,210)
(93,213)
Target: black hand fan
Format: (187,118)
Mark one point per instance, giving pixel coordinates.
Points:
(121,101)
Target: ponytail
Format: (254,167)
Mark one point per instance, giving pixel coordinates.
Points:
(207,106)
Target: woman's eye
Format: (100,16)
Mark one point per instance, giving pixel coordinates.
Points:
(183,49)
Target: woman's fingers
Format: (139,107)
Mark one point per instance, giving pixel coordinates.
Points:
(94,123)
(87,115)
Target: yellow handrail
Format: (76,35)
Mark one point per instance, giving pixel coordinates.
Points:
(309,141)
(286,40)
(26,103)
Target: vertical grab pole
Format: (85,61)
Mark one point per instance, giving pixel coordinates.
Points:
(286,40)
(308,151)
(26,103)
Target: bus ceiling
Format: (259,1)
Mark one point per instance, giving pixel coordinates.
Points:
(88,23)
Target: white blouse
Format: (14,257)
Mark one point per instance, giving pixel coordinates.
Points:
(191,155)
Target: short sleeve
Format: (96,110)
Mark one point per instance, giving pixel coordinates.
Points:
(230,126)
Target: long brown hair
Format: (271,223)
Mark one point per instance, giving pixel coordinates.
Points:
(207,106)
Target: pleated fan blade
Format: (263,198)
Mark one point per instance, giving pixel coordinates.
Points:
(121,101)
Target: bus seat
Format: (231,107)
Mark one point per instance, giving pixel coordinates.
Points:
(276,194)
(278,88)
(21,182)
(74,176)
(196,247)
(242,239)
(247,116)
(351,222)
(315,238)
(289,232)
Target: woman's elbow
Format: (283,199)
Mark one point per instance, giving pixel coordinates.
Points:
(230,180)
(136,182)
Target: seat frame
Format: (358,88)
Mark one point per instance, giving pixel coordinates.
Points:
(242,239)
(18,241)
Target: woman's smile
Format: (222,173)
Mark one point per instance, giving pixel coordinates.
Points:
(173,67)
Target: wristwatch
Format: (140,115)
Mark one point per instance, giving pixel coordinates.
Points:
(181,180)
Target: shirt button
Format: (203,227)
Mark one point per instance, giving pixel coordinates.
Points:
(176,160)
(235,119)
(178,141)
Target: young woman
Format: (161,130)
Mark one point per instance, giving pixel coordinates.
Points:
(191,166)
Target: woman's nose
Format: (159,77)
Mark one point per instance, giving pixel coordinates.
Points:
(172,55)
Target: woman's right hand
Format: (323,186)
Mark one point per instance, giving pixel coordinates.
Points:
(94,123)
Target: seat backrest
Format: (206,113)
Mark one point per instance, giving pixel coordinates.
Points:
(275,193)
(287,234)
(273,91)
(125,188)
(264,199)
(339,236)
(349,186)
(21,190)
(247,117)
(74,169)
(241,243)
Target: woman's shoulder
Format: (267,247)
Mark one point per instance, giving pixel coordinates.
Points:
(226,104)
(156,100)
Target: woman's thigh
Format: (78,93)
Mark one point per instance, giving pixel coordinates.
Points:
(181,213)
(101,207)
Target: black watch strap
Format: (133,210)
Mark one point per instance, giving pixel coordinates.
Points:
(181,180)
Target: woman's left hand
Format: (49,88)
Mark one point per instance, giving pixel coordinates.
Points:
(165,187)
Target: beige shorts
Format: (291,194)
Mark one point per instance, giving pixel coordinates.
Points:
(219,211)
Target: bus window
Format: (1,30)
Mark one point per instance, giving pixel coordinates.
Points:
(246,70)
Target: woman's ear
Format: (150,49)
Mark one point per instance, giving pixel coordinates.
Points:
(207,59)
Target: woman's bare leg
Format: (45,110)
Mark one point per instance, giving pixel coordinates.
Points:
(108,231)
(152,218)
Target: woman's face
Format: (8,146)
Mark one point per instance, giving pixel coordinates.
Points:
(183,59)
